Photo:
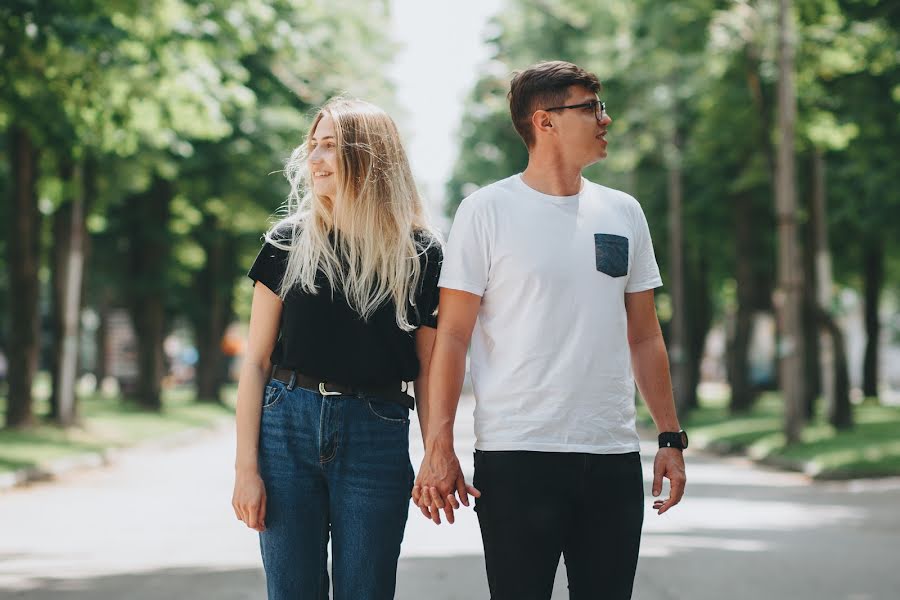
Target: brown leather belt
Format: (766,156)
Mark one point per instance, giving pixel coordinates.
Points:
(390,393)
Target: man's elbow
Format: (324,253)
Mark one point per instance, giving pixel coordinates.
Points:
(639,339)
(454,338)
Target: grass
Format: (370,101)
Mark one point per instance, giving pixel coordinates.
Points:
(870,449)
(104,423)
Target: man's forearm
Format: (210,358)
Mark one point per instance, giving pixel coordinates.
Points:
(650,364)
(445,379)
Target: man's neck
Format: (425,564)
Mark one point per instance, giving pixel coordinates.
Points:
(552,177)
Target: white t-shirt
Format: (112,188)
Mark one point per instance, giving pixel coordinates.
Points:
(550,361)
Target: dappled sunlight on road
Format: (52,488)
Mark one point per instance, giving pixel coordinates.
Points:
(158,524)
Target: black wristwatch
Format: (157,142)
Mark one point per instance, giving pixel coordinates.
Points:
(673,439)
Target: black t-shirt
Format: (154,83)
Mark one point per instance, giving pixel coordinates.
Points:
(323,337)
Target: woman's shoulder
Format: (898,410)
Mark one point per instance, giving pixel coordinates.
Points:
(282,232)
(426,238)
(428,244)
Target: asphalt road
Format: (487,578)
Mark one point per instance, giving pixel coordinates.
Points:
(158,525)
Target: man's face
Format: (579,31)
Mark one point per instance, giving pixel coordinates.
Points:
(580,135)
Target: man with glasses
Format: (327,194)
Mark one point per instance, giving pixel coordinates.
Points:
(551,279)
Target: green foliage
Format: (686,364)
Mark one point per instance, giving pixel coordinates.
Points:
(107,423)
(201,99)
(869,449)
(705,69)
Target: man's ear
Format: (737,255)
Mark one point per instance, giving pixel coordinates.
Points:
(540,120)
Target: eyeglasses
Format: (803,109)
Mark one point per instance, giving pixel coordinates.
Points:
(598,106)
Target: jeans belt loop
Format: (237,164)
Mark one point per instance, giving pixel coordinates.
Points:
(293,379)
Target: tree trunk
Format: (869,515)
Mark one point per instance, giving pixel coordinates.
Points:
(813,373)
(148,260)
(71,304)
(840,411)
(699,321)
(68,265)
(62,227)
(678,344)
(742,392)
(788,301)
(819,223)
(214,294)
(873,272)
(101,338)
(24,262)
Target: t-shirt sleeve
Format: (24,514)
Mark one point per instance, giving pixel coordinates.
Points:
(645,272)
(427,302)
(467,255)
(269,267)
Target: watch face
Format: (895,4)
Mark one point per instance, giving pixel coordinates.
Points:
(684,438)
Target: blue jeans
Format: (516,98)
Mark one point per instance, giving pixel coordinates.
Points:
(335,465)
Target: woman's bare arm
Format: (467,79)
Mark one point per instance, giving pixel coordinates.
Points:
(249,500)
(424,345)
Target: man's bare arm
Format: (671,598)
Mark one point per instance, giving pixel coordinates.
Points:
(440,476)
(650,363)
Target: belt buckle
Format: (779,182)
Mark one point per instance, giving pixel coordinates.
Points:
(325,392)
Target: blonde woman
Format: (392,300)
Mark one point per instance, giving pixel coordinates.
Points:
(343,319)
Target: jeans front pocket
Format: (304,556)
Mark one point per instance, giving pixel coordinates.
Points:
(389,411)
(611,252)
(274,392)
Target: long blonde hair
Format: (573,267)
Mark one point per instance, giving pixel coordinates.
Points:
(375,218)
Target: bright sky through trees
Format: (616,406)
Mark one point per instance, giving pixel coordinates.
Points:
(442,52)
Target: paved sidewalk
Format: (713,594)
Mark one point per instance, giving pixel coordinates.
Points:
(158,525)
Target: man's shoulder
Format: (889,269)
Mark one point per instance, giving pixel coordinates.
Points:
(612,195)
(489,195)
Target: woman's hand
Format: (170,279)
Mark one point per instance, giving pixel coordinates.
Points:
(249,499)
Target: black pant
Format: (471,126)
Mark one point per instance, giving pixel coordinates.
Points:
(536,505)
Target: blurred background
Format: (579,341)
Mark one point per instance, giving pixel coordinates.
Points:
(144,141)
(140,164)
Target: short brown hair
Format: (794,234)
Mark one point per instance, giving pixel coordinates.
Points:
(543,85)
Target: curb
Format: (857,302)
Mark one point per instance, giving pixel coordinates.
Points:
(51,470)
(723,448)
(810,468)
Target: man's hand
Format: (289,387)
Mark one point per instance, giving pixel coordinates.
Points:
(669,463)
(439,481)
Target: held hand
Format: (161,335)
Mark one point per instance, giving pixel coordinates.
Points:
(249,500)
(669,463)
(440,479)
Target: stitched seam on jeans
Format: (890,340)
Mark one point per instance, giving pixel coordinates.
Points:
(337,438)
(333,454)
(389,420)
(276,401)
(321,429)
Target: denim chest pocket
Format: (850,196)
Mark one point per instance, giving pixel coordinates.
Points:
(611,252)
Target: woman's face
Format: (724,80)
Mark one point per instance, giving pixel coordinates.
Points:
(322,159)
